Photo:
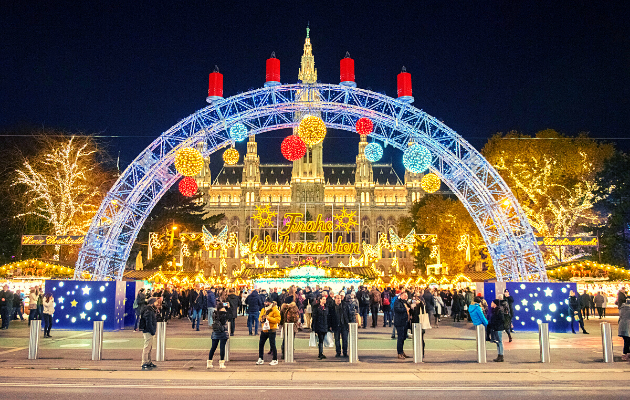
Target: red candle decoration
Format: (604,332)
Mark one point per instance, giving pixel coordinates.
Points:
(188,186)
(364,126)
(272,72)
(404,84)
(346,69)
(293,148)
(215,84)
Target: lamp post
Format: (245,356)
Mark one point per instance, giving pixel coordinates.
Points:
(171,245)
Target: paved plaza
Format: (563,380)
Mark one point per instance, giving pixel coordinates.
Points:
(449,364)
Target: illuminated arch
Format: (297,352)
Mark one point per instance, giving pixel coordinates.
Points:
(483,192)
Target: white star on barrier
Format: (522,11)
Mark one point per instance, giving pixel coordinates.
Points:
(548,292)
(83,315)
(60,299)
(524,302)
(548,317)
(538,305)
(86,290)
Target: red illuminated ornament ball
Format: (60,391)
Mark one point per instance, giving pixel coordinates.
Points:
(364,126)
(188,186)
(293,148)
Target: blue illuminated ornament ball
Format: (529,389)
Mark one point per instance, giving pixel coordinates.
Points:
(238,132)
(373,152)
(417,158)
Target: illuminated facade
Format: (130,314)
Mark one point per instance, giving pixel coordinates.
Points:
(374,191)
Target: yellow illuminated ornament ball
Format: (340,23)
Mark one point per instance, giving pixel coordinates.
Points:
(188,161)
(230,156)
(430,183)
(312,130)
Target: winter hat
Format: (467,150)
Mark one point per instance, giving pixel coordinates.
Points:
(477,299)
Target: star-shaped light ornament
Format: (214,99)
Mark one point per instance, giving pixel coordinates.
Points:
(548,317)
(345,220)
(74,303)
(83,315)
(524,302)
(60,300)
(538,305)
(264,216)
(86,290)
(548,292)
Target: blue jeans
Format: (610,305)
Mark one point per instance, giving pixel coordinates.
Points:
(402,335)
(252,322)
(364,314)
(387,316)
(210,311)
(497,337)
(196,315)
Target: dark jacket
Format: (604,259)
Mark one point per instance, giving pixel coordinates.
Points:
(219,324)
(6,299)
(200,301)
(429,302)
(364,298)
(585,300)
(574,304)
(234,301)
(150,320)
(415,311)
(339,317)
(211,299)
(510,302)
(621,299)
(320,319)
(497,320)
(401,318)
(254,303)
(456,304)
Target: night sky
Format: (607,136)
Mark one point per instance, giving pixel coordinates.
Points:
(135,69)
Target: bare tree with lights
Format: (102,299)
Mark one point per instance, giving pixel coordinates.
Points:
(63,184)
(554,178)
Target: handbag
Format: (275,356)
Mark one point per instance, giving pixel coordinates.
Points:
(309,309)
(425,323)
(312,340)
(329,340)
(266,326)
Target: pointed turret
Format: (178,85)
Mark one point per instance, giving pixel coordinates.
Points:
(308,72)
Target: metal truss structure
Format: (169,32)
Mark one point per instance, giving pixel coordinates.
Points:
(476,183)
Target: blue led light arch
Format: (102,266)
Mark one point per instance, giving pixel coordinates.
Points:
(481,189)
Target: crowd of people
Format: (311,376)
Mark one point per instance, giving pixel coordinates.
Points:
(321,311)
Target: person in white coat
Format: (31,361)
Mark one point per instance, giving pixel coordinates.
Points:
(49,311)
(439,306)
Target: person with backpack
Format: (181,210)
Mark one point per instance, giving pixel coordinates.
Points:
(364,304)
(211,303)
(375,304)
(219,334)
(386,305)
(148,325)
(254,304)
(497,326)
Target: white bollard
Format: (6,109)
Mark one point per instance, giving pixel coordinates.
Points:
(227,344)
(33,341)
(481,344)
(97,341)
(607,343)
(543,341)
(289,337)
(161,341)
(417,343)
(353,345)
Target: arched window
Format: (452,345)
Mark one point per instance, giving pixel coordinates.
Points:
(363,197)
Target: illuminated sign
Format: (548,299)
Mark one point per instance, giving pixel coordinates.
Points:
(567,241)
(52,240)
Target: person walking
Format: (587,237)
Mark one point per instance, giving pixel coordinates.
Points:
(439,306)
(401,320)
(148,324)
(320,324)
(254,304)
(585,304)
(507,320)
(574,310)
(429,302)
(33,313)
(510,316)
(6,306)
(198,301)
(624,328)
(211,303)
(138,306)
(364,304)
(269,319)
(456,308)
(599,304)
(621,297)
(233,301)
(49,310)
(219,334)
(605,303)
(375,303)
(308,306)
(339,324)
(18,306)
(497,326)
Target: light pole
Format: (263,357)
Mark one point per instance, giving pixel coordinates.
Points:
(171,246)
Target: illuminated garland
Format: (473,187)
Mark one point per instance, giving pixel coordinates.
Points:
(34,267)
